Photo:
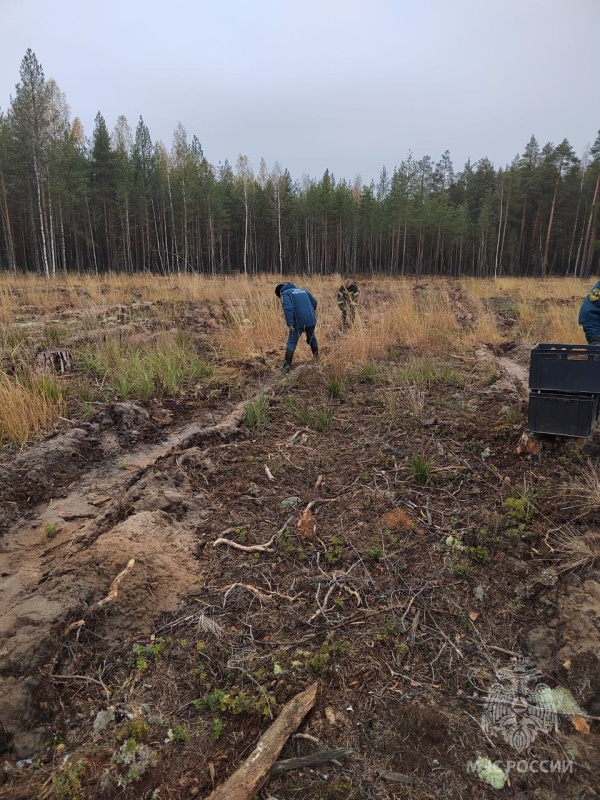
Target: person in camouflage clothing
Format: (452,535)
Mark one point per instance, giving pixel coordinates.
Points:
(347,299)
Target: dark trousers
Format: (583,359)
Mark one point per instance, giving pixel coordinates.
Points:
(295,334)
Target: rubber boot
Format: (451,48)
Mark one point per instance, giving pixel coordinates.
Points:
(287,364)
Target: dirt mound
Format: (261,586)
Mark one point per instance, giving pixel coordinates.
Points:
(32,624)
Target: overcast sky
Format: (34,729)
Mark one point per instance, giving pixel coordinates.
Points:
(347,85)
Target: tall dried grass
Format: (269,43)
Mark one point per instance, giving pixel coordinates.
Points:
(28,405)
(398,316)
(576,549)
(579,498)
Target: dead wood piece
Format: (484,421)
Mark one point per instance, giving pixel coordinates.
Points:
(309,761)
(57,360)
(251,548)
(269,473)
(112,595)
(252,774)
(306,524)
(395,777)
(503,650)
(114,587)
(265,594)
(528,445)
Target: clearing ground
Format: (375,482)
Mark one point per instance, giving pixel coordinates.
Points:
(364,522)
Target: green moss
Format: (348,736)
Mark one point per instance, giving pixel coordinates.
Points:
(238,703)
(136,730)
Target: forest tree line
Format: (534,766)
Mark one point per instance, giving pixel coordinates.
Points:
(120,202)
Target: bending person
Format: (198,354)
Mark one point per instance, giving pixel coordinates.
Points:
(299,309)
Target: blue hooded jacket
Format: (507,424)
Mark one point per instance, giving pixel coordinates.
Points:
(299,307)
(589,314)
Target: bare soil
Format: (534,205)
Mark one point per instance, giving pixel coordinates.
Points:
(161,692)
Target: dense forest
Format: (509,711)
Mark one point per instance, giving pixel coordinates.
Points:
(121,202)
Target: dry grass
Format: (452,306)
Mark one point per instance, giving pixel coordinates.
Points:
(575,550)
(432,317)
(28,406)
(579,498)
(398,519)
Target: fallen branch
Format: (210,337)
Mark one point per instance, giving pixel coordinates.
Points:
(252,774)
(395,777)
(269,473)
(265,594)
(309,761)
(252,548)
(112,595)
(503,650)
(114,587)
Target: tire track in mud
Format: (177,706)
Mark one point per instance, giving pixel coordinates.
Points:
(62,556)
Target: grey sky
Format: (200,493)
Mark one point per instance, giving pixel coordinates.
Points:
(347,85)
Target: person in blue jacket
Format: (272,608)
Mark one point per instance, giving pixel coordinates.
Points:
(299,309)
(589,315)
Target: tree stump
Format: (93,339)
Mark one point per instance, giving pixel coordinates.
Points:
(528,445)
(57,360)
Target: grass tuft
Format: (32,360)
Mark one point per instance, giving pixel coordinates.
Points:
(575,549)
(29,404)
(257,412)
(420,469)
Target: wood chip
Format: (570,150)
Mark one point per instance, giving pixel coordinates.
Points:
(307,525)
(581,724)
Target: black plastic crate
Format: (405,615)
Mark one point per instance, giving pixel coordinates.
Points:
(565,368)
(563,414)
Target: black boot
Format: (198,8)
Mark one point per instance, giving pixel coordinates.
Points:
(287,364)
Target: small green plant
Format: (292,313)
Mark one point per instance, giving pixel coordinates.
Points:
(238,703)
(519,509)
(178,733)
(335,548)
(257,412)
(66,783)
(51,529)
(420,468)
(374,553)
(325,659)
(200,673)
(145,653)
(136,729)
(217,729)
(122,463)
(480,553)
(241,534)
(289,547)
(388,631)
(460,569)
